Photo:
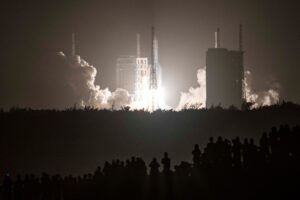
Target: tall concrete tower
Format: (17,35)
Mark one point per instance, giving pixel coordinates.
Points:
(155,74)
(224,75)
(154,62)
(125,71)
(142,78)
(73,45)
(138,45)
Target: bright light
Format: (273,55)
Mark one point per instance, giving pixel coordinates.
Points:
(144,97)
(161,98)
(150,100)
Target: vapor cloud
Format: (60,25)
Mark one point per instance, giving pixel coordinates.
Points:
(262,97)
(195,98)
(82,81)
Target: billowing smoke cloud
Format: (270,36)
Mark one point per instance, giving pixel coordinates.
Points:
(82,81)
(262,97)
(80,78)
(195,98)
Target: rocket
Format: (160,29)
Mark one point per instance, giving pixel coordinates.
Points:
(155,66)
(73,51)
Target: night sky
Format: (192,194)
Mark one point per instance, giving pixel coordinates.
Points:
(32,31)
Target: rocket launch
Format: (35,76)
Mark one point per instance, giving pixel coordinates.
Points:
(148,93)
(155,75)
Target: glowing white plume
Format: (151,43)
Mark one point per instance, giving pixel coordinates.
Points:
(82,76)
(195,98)
(82,81)
(260,98)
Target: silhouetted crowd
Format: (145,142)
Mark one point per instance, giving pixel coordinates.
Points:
(223,170)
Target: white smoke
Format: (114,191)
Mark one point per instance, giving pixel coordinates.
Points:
(195,98)
(81,78)
(261,98)
(82,81)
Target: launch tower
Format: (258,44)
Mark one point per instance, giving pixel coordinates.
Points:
(224,74)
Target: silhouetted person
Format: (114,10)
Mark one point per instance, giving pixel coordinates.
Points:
(154,179)
(98,174)
(182,180)
(18,188)
(236,151)
(45,186)
(57,187)
(166,161)
(264,147)
(7,187)
(210,152)
(196,156)
(227,153)
(253,154)
(154,166)
(220,151)
(246,153)
(295,138)
(167,177)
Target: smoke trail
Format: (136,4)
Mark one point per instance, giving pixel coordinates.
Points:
(261,98)
(195,98)
(82,81)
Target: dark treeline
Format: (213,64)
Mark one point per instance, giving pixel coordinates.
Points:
(75,141)
(222,170)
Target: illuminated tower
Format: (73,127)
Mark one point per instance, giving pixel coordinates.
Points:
(224,75)
(142,79)
(155,73)
(155,66)
(126,66)
(148,93)
(73,45)
(74,59)
(138,45)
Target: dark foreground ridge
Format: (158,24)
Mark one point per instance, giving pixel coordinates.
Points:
(224,170)
(76,140)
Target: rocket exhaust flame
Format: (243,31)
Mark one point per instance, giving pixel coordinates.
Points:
(149,92)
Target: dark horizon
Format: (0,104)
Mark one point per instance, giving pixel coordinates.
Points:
(75,140)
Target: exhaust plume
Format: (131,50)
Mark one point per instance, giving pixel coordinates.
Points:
(81,78)
(82,81)
(195,98)
(263,97)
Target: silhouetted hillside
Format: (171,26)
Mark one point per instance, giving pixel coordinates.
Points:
(75,141)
